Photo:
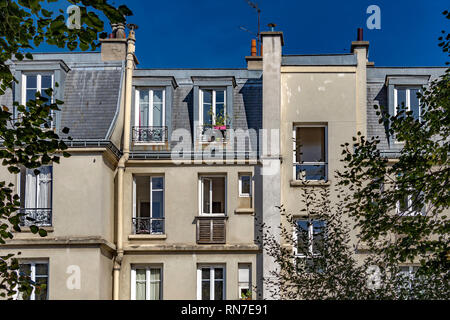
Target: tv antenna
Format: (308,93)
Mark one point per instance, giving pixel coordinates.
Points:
(258,10)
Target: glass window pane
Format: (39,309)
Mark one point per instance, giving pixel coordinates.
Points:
(206,274)
(318,236)
(41,288)
(207,105)
(31,94)
(157,183)
(302,236)
(220,119)
(41,269)
(401,99)
(310,172)
(245,184)
(25,269)
(157,108)
(218,273)
(310,144)
(218,290)
(218,197)
(32,81)
(206,295)
(206,200)
(157,204)
(220,96)
(155,291)
(414,103)
(143,108)
(46,82)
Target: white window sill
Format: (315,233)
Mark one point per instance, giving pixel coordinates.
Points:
(310,183)
(147,237)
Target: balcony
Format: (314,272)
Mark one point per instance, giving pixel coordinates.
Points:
(36,216)
(149,134)
(211,133)
(211,230)
(146,225)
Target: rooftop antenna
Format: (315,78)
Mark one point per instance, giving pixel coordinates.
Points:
(258,10)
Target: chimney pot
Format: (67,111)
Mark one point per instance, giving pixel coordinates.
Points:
(253,52)
(360,34)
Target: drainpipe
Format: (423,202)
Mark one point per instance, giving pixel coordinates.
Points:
(123,160)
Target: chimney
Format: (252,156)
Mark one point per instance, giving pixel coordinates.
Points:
(254,62)
(359,37)
(359,43)
(114,48)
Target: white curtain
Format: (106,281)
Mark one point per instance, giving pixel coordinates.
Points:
(155,282)
(30,189)
(44,187)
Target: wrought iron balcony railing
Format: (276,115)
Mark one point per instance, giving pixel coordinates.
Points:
(149,134)
(41,217)
(212,133)
(146,225)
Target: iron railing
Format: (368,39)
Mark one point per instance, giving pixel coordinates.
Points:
(41,217)
(149,134)
(146,225)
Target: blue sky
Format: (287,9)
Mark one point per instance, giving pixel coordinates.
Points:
(206,34)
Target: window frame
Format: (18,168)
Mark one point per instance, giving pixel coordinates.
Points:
(408,89)
(410,212)
(137,111)
(294,149)
(38,75)
(212,280)
(249,285)
(200,191)
(19,187)
(241,194)
(137,206)
(310,237)
(147,280)
(213,103)
(33,264)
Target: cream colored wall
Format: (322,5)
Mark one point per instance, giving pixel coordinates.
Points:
(83,197)
(180,272)
(316,96)
(181,203)
(95,270)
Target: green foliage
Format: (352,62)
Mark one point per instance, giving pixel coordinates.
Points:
(25,134)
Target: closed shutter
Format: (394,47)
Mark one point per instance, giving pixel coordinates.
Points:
(210,231)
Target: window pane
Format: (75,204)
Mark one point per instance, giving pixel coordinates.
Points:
(218,273)
(45,188)
(41,269)
(206,200)
(157,108)
(401,99)
(46,82)
(143,108)
(310,144)
(32,81)
(218,197)
(155,284)
(245,184)
(25,269)
(310,172)
(143,196)
(207,104)
(220,96)
(206,274)
(31,94)
(42,284)
(318,236)
(220,114)
(414,103)
(157,183)
(302,236)
(157,204)
(218,290)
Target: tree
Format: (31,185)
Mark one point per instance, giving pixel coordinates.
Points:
(403,211)
(398,210)
(26,140)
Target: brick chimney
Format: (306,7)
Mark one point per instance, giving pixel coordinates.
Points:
(114,48)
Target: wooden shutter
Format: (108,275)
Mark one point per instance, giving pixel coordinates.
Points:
(211,230)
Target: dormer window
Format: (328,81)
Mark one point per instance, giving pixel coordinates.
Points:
(38,82)
(405,98)
(150,116)
(213,114)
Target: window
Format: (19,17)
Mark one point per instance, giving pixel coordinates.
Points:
(310,237)
(411,205)
(146,283)
(310,152)
(213,195)
(211,283)
(213,107)
(245,284)
(34,82)
(245,185)
(36,196)
(150,116)
(38,273)
(408,272)
(148,205)
(405,98)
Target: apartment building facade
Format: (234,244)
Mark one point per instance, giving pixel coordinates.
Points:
(173,171)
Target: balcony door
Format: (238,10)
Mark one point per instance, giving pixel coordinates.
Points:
(149,205)
(150,115)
